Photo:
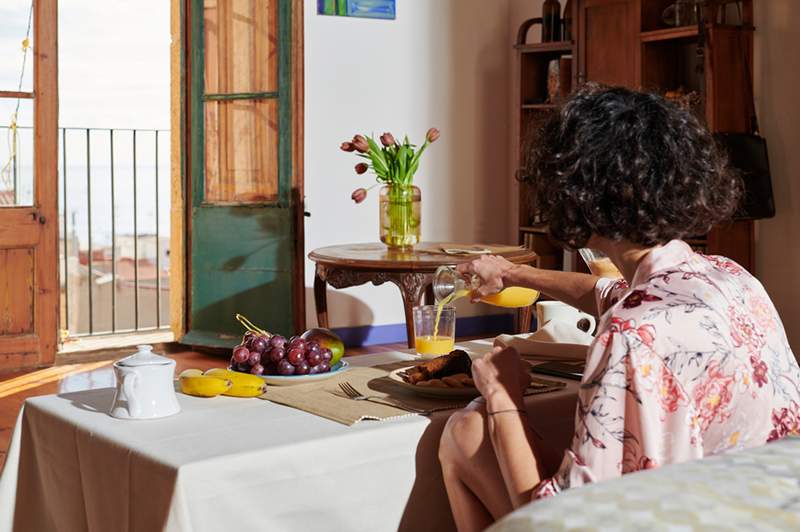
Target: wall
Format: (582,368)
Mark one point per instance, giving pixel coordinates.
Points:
(442,63)
(777,76)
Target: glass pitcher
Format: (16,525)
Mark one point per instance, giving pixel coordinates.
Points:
(449,285)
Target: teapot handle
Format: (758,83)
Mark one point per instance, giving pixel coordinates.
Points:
(128,386)
(589,322)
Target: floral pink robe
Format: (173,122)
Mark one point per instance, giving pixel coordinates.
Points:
(692,361)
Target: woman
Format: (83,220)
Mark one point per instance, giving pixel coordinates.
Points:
(690,357)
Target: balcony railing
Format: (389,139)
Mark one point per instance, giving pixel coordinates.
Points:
(114,204)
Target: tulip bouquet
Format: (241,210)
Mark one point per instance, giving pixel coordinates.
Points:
(394,165)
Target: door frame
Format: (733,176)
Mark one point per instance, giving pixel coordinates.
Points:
(181,173)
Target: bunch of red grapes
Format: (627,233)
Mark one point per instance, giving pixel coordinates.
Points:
(275,355)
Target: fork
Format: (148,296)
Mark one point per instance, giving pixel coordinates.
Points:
(355,395)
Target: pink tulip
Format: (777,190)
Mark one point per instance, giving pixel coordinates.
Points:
(361,168)
(347,146)
(360,143)
(432,134)
(387,139)
(359,195)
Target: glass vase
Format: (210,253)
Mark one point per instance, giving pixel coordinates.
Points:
(400,216)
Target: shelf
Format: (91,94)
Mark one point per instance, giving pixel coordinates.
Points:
(539,106)
(538,229)
(669,34)
(545,47)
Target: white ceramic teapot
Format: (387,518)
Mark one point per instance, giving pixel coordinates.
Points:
(145,388)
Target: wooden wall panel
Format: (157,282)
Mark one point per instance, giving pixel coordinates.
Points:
(608,32)
(16,291)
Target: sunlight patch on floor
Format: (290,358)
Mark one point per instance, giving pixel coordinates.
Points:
(45,376)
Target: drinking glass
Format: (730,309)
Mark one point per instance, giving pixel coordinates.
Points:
(599,263)
(434,330)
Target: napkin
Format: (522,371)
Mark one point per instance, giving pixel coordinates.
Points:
(557,340)
(462,251)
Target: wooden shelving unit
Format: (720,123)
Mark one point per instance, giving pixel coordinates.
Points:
(625,42)
(534,109)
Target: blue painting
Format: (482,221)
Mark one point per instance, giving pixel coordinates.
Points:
(384,9)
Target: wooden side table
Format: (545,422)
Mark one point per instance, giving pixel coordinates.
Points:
(411,271)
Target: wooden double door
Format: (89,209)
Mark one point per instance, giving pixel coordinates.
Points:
(29,289)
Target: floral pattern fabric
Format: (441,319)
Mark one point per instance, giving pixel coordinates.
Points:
(690,361)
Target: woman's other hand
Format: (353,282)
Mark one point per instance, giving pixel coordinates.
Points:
(501,376)
(491,270)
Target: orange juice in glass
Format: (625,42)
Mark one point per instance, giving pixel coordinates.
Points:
(434,330)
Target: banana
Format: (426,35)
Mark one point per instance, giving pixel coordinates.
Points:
(244,384)
(193,382)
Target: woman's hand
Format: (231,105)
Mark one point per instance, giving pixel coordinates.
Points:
(501,376)
(491,270)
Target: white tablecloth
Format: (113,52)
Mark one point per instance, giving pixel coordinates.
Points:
(231,464)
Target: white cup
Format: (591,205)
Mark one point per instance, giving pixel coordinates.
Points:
(558,311)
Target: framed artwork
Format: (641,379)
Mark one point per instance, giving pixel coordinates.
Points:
(383,9)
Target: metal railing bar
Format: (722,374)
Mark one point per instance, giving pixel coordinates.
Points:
(113,239)
(135,242)
(66,234)
(158,254)
(89,228)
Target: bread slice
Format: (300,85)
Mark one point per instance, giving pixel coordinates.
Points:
(455,362)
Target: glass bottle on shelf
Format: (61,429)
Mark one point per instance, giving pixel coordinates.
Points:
(566,33)
(551,21)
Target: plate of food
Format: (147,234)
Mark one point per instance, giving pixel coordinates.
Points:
(445,376)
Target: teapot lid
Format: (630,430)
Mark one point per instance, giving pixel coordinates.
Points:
(144,357)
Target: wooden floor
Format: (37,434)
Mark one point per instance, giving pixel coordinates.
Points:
(63,378)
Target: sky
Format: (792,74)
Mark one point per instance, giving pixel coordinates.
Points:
(113,61)
(113,73)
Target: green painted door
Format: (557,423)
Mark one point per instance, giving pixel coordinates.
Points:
(242,238)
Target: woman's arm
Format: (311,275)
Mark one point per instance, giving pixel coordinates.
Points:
(501,376)
(496,273)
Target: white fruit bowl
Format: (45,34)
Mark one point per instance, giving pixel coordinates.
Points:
(290,380)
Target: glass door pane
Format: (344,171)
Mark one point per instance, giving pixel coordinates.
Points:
(241,39)
(16,153)
(241,105)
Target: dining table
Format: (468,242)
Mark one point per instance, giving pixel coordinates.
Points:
(411,270)
(228,463)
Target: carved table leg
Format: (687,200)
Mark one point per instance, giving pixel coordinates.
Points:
(321,299)
(412,286)
(524,316)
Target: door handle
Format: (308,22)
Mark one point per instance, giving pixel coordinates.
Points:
(42,220)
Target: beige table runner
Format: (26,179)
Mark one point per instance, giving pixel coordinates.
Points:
(325,399)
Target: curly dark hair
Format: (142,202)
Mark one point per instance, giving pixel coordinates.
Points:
(628,165)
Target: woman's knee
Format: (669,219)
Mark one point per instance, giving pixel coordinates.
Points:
(463,435)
